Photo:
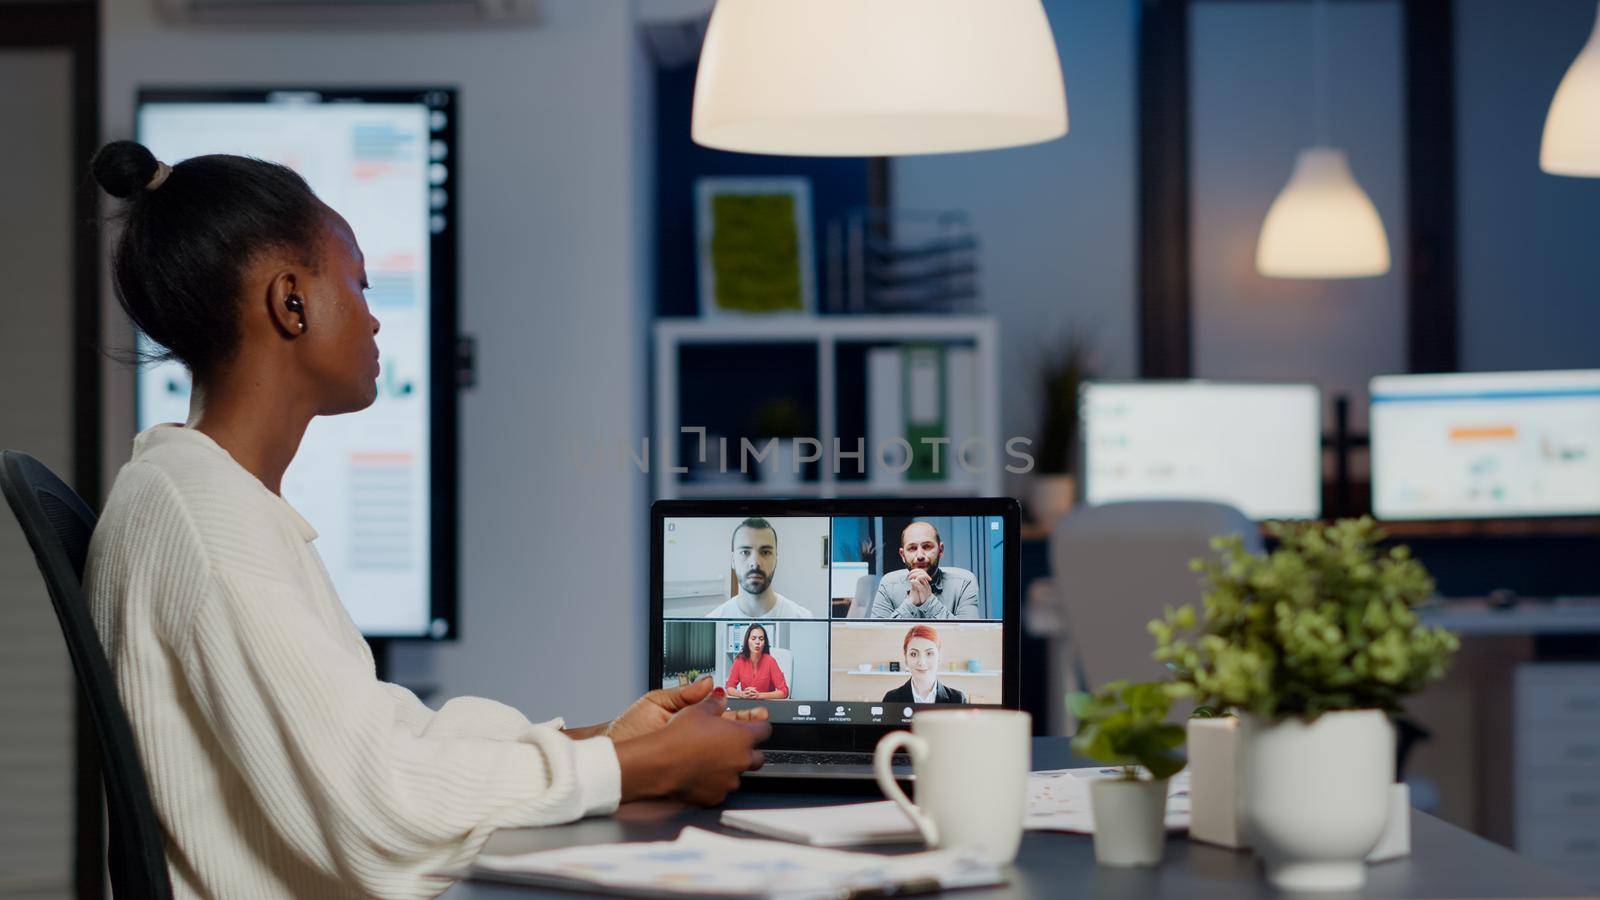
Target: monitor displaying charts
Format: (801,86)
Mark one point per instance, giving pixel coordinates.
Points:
(378,485)
(1486,445)
(1255,446)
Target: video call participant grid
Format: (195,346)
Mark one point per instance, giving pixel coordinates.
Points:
(919,637)
(814,567)
(856,666)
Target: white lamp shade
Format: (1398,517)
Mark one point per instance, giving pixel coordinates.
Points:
(1322,225)
(1571,144)
(877,77)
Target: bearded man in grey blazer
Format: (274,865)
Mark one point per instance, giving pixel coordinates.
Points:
(924,589)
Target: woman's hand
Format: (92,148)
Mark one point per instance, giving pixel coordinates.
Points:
(698,756)
(654,710)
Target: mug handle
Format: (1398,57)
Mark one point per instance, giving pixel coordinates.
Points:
(883,770)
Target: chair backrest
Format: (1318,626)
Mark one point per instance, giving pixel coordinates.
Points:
(58,525)
(1117,566)
(785,660)
(866,590)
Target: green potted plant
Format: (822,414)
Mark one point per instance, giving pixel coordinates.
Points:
(1315,645)
(1125,725)
(1062,370)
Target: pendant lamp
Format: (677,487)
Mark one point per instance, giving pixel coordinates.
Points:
(1571,144)
(1322,224)
(877,77)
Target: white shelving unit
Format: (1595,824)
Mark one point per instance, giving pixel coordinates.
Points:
(826,333)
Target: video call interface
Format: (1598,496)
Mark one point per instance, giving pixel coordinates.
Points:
(848,620)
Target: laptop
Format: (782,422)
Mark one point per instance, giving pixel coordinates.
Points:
(844,617)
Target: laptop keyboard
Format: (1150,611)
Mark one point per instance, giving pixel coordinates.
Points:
(792,757)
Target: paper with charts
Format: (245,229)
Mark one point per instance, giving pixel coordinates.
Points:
(701,863)
(1058,800)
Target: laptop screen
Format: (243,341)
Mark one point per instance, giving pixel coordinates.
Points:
(836,619)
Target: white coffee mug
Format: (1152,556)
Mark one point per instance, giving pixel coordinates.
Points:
(972,778)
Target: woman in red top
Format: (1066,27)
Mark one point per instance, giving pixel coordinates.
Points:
(755,675)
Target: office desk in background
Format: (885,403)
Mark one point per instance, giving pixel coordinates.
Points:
(1527,616)
(1445,861)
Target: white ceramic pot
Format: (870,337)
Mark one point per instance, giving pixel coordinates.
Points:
(1315,798)
(1050,497)
(1214,781)
(782,472)
(1130,827)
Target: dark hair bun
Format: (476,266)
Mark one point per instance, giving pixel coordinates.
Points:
(123,168)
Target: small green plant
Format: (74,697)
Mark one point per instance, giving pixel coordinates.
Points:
(1326,622)
(1125,725)
(781,417)
(1062,370)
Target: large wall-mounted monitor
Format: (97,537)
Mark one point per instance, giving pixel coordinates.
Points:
(1486,445)
(1254,445)
(378,485)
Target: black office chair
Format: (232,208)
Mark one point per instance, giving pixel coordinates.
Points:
(58,525)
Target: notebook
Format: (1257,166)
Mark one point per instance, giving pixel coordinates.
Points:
(703,864)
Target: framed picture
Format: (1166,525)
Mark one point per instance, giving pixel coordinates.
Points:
(754,238)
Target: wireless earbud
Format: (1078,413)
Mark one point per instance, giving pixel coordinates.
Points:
(293,303)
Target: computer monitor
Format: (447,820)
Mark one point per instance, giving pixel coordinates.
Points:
(847,646)
(1254,445)
(378,485)
(1486,445)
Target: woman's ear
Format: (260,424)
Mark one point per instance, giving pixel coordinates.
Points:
(286,305)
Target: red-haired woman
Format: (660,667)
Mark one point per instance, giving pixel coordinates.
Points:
(921,658)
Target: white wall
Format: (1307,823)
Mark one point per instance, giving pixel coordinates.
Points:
(1252,100)
(1058,221)
(36,229)
(552,286)
(809,644)
(1528,268)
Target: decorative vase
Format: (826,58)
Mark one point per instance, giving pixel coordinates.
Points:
(1315,797)
(1050,497)
(1130,826)
(1214,781)
(781,474)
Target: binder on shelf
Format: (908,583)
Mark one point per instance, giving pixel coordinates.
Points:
(906,401)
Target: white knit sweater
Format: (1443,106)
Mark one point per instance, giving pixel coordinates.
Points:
(279,764)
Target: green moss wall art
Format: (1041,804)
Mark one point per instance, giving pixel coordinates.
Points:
(756,255)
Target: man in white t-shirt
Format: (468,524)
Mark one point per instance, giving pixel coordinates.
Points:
(755,562)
